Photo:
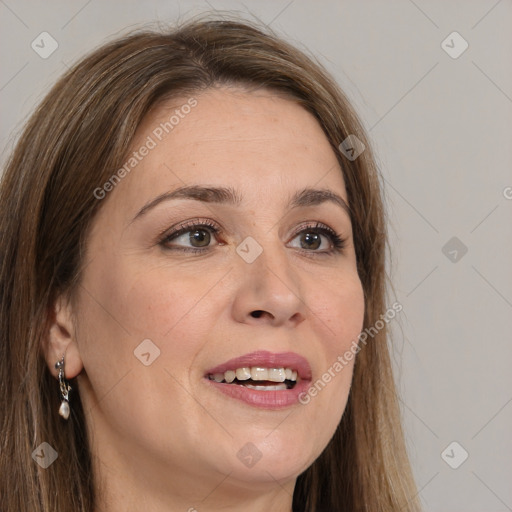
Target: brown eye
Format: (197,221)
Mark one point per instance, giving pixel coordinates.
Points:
(318,239)
(310,240)
(191,237)
(313,241)
(199,238)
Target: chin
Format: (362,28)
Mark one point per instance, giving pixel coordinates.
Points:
(267,458)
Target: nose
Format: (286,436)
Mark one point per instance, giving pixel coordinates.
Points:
(269,292)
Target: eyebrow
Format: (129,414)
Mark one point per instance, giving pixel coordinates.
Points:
(228,195)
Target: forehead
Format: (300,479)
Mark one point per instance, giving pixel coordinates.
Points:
(257,142)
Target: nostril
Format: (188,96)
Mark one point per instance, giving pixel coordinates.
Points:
(257,313)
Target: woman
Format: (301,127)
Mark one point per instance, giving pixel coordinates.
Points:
(192,260)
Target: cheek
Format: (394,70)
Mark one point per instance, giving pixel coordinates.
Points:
(339,311)
(175,308)
(122,305)
(147,301)
(133,303)
(121,308)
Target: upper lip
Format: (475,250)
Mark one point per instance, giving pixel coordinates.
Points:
(265,359)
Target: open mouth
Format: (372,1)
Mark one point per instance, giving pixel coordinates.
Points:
(262,379)
(258,378)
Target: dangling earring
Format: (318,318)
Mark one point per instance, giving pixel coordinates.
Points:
(65,388)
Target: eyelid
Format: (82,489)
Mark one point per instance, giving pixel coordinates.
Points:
(312,225)
(189,225)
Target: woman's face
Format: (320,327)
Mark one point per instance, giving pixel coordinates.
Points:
(219,251)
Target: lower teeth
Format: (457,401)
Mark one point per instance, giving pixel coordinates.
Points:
(278,387)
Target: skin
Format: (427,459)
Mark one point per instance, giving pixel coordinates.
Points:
(162,438)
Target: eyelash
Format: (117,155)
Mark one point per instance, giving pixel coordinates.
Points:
(338,242)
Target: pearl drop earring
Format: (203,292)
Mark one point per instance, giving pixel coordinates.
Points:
(65,388)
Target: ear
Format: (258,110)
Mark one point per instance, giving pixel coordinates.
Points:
(61,340)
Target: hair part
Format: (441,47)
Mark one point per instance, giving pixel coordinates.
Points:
(78,136)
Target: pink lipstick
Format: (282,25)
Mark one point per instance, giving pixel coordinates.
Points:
(262,379)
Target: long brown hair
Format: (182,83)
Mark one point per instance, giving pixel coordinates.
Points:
(74,141)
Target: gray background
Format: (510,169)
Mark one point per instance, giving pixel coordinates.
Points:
(441,127)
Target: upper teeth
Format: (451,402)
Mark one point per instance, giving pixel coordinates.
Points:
(257,373)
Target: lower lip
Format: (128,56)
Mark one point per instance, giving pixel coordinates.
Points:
(276,399)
